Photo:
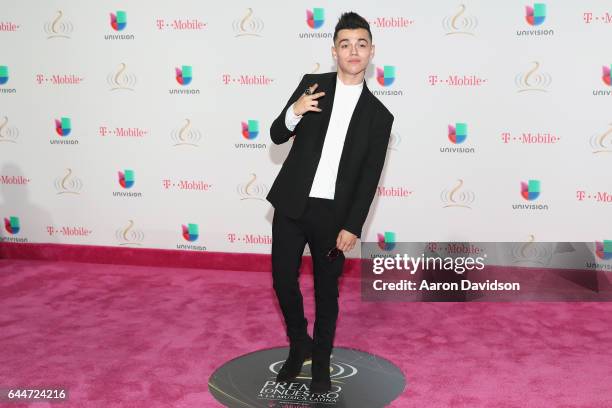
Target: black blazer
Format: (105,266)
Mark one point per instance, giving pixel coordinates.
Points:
(361,162)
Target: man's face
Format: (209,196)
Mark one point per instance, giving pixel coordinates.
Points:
(353,50)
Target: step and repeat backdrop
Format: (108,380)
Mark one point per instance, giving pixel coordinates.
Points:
(146,124)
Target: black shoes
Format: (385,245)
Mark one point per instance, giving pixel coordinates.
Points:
(321,383)
(299,351)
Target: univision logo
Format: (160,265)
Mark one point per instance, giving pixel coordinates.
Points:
(126,178)
(190,232)
(458,133)
(118,20)
(535,15)
(607,79)
(385,75)
(63,126)
(530,190)
(4,78)
(250,132)
(11,225)
(250,129)
(4,74)
(603,250)
(386,240)
(315,18)
(607,75)
(184,75)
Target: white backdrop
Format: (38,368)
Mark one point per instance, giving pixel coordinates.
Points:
(479,63)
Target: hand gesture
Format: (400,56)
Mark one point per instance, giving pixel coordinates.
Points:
(307,102)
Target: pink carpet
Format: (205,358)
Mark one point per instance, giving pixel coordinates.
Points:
(133,336)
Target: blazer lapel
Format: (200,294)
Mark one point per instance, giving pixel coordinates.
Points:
(356,128)
(325,104)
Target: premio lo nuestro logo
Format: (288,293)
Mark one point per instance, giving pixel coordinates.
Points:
(385,75)
(607,75)
(458,133)
(59,27)
(252,190)
(4,74)
(386,240)
(68,184)
(126,178)
(457,196)
(11,225)
(394,141)
(460,23)
(186,135)
(250,129)
(315,17)
(129,235)
(8,133)
(118,20)
(532,253)
(121,79)
(63,126)
(603,250)
(184,75)
(530,190)
(601,143)
(190,232)
(356,377)
(535,15)
(248,25)
(533,80)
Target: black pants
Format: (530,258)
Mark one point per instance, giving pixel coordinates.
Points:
(317,227)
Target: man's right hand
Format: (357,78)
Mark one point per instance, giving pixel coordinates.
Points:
(308,103)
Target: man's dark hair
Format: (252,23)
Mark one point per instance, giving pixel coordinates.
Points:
(351,20)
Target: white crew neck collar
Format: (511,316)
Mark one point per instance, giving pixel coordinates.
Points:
(340,83)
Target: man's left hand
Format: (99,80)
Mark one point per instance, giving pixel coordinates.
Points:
(345,241)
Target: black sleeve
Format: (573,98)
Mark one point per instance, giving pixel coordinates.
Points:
(278,131)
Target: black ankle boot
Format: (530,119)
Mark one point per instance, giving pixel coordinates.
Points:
(299,351)
(321,383)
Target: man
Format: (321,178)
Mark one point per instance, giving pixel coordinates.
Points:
(324,189)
